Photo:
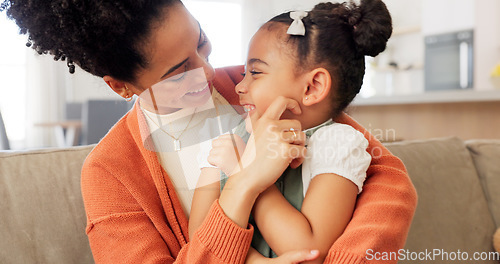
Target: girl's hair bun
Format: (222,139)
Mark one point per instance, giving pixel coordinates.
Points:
(372,26)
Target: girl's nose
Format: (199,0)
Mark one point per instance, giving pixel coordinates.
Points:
(241,88)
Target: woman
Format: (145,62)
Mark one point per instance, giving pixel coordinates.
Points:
(136,212)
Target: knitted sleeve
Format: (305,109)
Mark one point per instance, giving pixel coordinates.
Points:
(133,215)
(120,230)
(383,212)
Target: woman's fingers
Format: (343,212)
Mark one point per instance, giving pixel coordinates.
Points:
(298,256)
(287,124)
(278,107)
(294,137)
(276,110)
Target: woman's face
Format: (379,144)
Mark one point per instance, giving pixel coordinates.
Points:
(178,71)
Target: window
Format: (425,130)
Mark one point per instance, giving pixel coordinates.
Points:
(13,80)
(222,22)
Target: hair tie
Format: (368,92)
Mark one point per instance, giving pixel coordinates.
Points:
(297,27)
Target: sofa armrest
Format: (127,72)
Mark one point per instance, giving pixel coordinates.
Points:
(43,219)
(486,156)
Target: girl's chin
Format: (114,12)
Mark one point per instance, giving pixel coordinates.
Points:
(248,124)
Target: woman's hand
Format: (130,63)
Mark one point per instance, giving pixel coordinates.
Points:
(226,153)
(274,144)
(291,257)
(295,257)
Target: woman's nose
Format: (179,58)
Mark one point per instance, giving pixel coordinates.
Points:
(209,70)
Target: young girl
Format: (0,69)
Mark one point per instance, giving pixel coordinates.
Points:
(317,59)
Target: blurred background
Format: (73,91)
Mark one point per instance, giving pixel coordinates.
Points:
(436,77)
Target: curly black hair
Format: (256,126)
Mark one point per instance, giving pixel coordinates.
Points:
(103,37)
(338,37)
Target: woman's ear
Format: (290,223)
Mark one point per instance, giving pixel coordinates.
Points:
(118,87)
(319,86)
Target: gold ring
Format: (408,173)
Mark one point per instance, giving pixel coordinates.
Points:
(294,134)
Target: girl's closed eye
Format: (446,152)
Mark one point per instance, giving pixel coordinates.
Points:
(255,72)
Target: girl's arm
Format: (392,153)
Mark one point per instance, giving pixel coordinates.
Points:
(223,153)
(207,191)
(337,162)
(326,211)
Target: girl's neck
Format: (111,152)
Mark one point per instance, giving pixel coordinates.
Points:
(314,124)
(313,116)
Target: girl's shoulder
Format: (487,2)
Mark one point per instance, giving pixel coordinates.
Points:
(337,134)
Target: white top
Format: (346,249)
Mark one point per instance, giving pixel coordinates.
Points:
(333,148)
(338,149)
(181,166)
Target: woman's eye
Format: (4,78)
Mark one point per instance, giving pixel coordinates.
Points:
(203,41)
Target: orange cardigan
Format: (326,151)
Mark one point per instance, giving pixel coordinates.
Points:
(134,215)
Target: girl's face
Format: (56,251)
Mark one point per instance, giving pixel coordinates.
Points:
(178,71)
(270,72)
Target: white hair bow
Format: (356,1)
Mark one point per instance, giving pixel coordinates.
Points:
(297,27)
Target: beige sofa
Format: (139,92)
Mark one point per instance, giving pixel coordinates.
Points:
(43,218)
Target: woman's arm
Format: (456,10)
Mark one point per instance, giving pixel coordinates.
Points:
(384,210)
(207,191)
(326,211)
(122,229)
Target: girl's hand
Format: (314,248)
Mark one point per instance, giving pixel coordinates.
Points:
(274,144)
(226,153)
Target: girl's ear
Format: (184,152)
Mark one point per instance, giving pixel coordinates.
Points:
(118,87)
(319,85)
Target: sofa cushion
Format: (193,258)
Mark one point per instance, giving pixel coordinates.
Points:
(42,216)
(486,156)
(452,213)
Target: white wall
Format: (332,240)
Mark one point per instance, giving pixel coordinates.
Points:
(487,42)
(83,86)
(441,16)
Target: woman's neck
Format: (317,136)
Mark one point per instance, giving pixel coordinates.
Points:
(158,110)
